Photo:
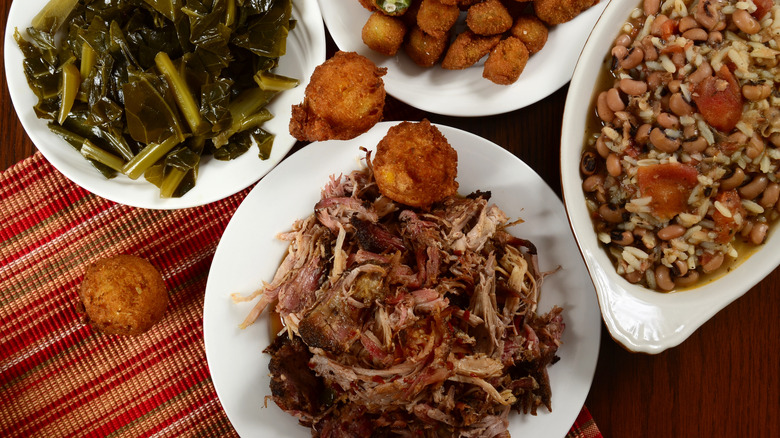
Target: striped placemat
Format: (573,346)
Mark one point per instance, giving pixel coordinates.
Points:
(58,377)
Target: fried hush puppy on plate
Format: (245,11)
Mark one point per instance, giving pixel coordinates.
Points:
(123,295)
(415,165)
(345,98)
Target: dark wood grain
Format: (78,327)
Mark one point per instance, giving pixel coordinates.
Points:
(722,381)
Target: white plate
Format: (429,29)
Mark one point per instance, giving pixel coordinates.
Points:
(640,319)
(465,92)
(249,253)
(217,179)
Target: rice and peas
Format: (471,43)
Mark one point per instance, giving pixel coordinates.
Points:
(682,170)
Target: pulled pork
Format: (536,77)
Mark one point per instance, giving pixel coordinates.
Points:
(407,322)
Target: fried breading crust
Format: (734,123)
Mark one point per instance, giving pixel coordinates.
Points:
(435,17)
(555,12)
(415,165)
(467,49)
(423,49)
(531,31)
(345,98)
(488,18)
(123,295)
(383,33)
(506,61)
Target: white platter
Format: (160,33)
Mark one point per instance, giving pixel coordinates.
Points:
(640,319)
(249,254)
(465,92)
(217,179)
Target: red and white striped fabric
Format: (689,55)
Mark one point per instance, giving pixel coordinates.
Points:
(60,378)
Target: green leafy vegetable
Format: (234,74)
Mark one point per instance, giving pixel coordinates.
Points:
(146,87)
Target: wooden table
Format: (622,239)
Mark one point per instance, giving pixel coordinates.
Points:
(722,381)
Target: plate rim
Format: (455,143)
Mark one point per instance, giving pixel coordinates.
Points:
(583,373)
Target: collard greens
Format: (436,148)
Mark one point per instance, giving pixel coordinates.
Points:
(146,87)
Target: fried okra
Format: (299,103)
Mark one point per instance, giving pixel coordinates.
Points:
(383,33)
(467,49)
(531,31)
(436,18)
(345,98)
(415,165)
(506,61)
(123,295)
(555,12)
(425,50)
(488,18)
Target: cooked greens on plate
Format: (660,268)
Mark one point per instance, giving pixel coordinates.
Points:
(148,87)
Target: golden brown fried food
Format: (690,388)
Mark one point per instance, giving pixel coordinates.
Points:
(465,4)
(425,50)
(467,49)
(506,61)
(415,165)
(368,4)
(436,18)
(410,16)
(531,31)
(383,33)
(345,98)
(555,12)
(123,295)
(488,18)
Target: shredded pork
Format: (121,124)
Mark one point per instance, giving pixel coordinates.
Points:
(410,322)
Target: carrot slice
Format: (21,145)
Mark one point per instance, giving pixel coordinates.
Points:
(719,100)
(669,185)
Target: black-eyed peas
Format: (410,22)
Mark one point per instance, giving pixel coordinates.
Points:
(651,7)
(611,214)
(663,142)
(756,92)
(614,168)
(663,278)
(734,180)
(712,264)
(745,22)
(614,101)
(758,233)
(687,185)
(754,188)
(670,232)
(632,87)
(687,280)
(679,105)
(770,196)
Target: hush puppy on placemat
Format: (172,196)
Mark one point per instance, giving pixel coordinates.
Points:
(123,295)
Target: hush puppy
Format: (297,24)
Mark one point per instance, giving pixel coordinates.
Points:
(345,98)
(383,33)
(415,165)
(123,295)
(506,61)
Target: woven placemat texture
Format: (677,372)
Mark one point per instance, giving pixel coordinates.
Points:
(60,378)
